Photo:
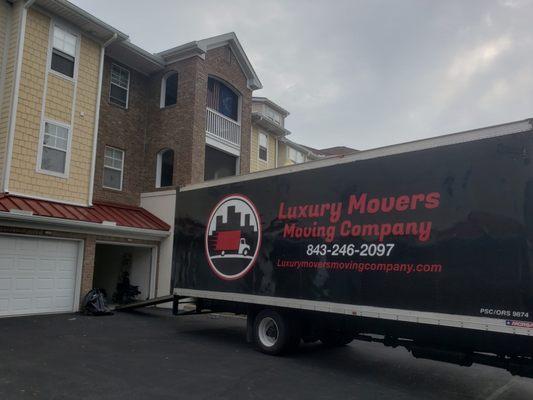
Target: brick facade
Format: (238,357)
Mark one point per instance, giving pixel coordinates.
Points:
(176,127)
(125,129)
(144,128)
(221,63)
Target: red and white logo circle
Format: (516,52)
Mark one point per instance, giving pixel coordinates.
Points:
(233,237)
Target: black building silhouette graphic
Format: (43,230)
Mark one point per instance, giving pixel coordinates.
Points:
(233,223)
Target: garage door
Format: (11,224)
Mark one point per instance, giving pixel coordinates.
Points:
(37,275)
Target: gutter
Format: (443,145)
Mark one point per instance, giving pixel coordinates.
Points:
(299,147)
(97,115)
(277,129)
(40,222)
(89,17)
(153,58)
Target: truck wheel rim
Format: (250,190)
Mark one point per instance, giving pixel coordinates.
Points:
(268,332)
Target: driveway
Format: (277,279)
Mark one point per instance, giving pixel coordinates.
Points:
(152,355)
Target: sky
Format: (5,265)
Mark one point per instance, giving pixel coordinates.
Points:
(361,73)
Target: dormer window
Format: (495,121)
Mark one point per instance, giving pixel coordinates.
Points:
(295,156)
(274,116)
(222,99)
(169,89)
(64,52)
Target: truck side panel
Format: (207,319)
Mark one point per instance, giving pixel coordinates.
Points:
(446,230)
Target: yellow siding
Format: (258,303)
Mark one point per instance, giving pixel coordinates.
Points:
(83,132)
(59,95)
(256,164)
(5,9)
(283,156)
(253,150)
(9,31)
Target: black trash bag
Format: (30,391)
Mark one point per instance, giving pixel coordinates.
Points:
(94,303)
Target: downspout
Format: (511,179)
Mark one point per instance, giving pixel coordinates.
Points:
(97,115)
(15,95)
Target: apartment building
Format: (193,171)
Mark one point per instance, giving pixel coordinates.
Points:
(95,135)
(270,146)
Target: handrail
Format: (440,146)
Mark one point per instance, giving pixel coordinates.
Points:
(223,127)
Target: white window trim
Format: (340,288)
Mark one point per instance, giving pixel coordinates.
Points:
(164,89)
(116,169)
(158,168)
(127,89)
(51,48)
(259,147)
(38,168)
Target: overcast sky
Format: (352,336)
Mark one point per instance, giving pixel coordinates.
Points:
(361,73)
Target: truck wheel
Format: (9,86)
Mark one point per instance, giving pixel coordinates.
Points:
(336,339)
(271,332)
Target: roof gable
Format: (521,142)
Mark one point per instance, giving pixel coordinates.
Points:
(200,48)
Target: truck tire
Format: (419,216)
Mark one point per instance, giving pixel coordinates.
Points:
(336,339)
(272,333)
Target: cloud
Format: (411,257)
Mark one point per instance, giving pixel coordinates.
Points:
(362,73)
(472,60)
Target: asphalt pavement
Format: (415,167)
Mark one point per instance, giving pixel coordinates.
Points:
(152,355)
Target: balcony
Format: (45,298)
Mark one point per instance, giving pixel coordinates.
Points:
(222,131)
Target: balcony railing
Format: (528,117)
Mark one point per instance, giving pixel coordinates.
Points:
(223,127)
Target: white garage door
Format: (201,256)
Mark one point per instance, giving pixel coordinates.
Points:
(37,275)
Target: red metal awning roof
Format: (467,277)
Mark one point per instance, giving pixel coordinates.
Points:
(98,213)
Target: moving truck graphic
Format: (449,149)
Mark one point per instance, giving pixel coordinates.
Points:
(231,241)
(425,245)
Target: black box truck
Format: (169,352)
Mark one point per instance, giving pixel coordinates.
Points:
(427,245)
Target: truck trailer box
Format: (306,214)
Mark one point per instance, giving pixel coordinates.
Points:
(429,244)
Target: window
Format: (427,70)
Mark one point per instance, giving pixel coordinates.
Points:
(263,147)
(169,89)
(113,168)
(54,148)
(64,52)
(165,168)
(273,116)
(222,99)
(120,83)
(295,156)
